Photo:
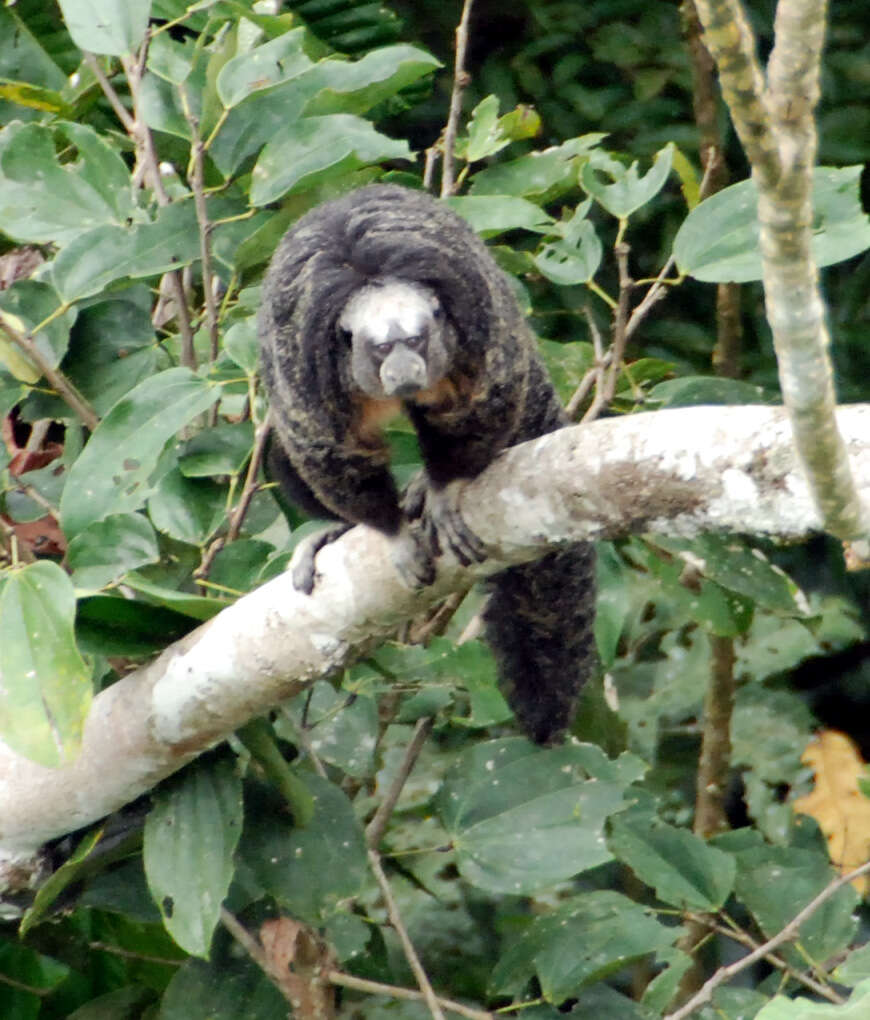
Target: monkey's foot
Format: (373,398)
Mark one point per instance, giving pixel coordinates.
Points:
(446,529)
(303,567)
(412,556)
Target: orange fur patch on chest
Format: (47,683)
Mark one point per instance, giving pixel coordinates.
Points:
(372,414)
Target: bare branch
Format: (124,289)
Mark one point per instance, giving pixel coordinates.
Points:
(56,379)
(460,82)
(788,934)
(681,472)
(429,996)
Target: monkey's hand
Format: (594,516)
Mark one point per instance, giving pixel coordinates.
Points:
(436,513)
(304,569)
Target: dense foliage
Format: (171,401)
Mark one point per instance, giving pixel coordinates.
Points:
(139,205)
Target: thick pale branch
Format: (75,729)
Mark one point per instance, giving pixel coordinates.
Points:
(679,472)
(776,125)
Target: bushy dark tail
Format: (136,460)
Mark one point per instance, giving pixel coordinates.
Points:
(539,623)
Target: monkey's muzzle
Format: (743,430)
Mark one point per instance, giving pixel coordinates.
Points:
(403,373)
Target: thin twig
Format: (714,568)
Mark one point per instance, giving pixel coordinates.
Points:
(596,373)
(196,180)
(460,83)
(358,984)
(745,939)
(425,987)
(787,934)
(249,490)
(121,111)
(57,380)
(147,153)
(376,827)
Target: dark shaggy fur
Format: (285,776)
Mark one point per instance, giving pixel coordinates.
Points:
(496,394)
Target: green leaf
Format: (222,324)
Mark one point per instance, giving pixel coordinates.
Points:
(627,191)
(785,1008)
(683,869)
(97,257)
(191,835)
(225,988)
(106,26)
(521,818)
(113,473)
(43,201)
(107,549)
(490,214)
(33,302)
(613,603)
(311,870)
(341,730)
(339,87)
(568,263)
(45,685)
(187,509)
(695,390)
(718,241)
(222,450)
(314,149)
(739,568)
(486,132)
(605,931)
(776,882)
(242,344)
(112,625)
(170,60)
(59,880)
(539,176)
(262,67)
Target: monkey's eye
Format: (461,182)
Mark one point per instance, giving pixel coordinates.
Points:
(437,312)
(345,335)
(382,349)
(414,343)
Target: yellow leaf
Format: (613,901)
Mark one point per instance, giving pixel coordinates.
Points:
(836,803)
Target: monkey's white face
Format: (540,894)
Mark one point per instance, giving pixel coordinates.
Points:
(398,339)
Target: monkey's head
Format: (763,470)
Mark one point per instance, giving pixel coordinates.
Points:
(401,342)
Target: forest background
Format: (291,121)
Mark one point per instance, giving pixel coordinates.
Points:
(383,843)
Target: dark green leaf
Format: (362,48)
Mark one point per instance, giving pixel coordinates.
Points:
(190,838)
(605,932)
(107,549)
(110,625)
(224,989)
(113,473)
(776,882)
(45,685)
(739,568)
(222,450)
(311,870)
(341,730)
(684,870)
(187,509)
(522,818)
